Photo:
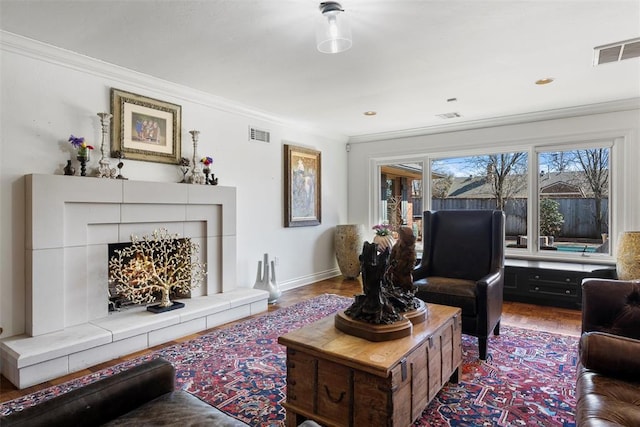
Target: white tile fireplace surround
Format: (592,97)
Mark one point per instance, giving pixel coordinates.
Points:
(70,221)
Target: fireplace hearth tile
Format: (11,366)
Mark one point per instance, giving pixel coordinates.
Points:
(136,321)
(202,307)
(93,356)
(242,296)
(229,316)
(180,330)
(31,375)
(32,350)
(27,361)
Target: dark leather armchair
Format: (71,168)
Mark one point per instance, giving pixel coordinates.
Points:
(608,377)
(463,266)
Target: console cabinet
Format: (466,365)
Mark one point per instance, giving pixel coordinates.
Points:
(550,283)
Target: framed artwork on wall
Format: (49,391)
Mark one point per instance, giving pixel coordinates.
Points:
(302,186)
(145,128)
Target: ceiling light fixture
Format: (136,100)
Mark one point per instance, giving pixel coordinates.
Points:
(370,113)
(333,34)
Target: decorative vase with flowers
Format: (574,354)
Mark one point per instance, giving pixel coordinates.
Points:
(206,161)
(83,154)
(383,238)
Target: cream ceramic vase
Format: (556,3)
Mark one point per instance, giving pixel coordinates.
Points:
(349,239)
(628,256)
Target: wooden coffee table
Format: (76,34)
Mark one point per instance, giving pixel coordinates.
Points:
(338,379)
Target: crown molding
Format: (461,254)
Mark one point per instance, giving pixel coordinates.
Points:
(20,45)
(560,113)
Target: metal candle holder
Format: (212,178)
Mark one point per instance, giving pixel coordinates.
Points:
(197,177)
(104,166)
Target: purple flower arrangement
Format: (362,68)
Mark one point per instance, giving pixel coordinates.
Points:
(78,142)
(382,229)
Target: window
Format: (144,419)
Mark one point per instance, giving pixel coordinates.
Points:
(401,196)
(573,194)
(491,181)
(556,198)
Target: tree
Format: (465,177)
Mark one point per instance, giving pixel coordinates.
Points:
(560,161)
(158,263)
(595,165)
(505,174)
(441,186)
(394,212)
(551,219)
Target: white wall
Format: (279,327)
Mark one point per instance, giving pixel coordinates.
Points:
(48,94)
(497,136)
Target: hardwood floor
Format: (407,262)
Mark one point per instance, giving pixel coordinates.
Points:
(550,319)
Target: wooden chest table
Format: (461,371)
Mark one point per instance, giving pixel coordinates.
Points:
(338,379)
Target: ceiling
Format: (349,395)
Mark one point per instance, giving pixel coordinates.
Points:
(408,57)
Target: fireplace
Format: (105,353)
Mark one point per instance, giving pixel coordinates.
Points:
(70,223)
(154,270)
(68,246)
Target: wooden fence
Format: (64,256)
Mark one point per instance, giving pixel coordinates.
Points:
(579,218)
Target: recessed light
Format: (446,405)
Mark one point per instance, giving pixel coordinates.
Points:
(370,113)
(544,81)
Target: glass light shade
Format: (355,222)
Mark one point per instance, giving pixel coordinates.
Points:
(628,256)
(333,33)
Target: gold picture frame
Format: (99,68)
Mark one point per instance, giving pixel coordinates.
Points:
(145,128)
(302,186)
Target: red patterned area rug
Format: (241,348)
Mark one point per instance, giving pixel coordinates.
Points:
(527,380)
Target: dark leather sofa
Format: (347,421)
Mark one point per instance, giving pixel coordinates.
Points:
(608,377)
(142,395)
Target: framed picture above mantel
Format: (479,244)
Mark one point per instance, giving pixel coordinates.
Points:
(302,186)
(145,128)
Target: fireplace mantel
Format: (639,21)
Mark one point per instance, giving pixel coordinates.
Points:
(70,221)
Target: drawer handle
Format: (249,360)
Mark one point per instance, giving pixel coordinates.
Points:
(568,280)
(430,341)
(403,368)
(567,292)
(331,398)
(536,277)
(536,288)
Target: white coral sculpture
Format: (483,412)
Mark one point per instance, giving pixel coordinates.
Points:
(161,262)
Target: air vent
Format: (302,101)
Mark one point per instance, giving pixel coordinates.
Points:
(449,115)
(259,135)
(615,52)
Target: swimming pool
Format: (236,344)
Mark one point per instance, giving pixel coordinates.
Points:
(575,248)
